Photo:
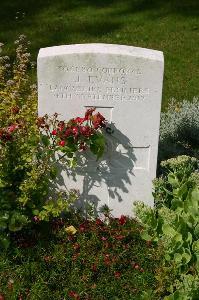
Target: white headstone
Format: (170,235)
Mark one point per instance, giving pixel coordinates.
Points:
(124,83)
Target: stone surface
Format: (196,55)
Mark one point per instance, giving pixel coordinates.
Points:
(124,83)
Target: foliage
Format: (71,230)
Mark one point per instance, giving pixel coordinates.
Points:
(179,130)
(31,147)
(174,225)
(80,259)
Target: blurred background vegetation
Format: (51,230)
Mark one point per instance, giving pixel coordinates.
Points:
(171,26)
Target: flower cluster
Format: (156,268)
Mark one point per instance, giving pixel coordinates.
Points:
(9,129)
(7,133)
(76,134)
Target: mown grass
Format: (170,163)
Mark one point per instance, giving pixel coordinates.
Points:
(170,26)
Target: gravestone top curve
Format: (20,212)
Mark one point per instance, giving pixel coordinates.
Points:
(124,83)
(102,48)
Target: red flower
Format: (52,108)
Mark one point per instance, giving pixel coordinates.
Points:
(74,295)
(126,246)
(62,143)
(60,128)
(75,131)
(122,220)
(54,132)
(107,260)
(98,121)
(89,113)
(103,238)
(142,270)
(36,219)
(117,274)
(12,128)
(94,268)
(68,132)
(136,266)
(41,122)
(70,238)
(76,246)
(85,130)
(98,222)
(82,227)
(15,110)
(75,256)
(4,135)
(47,258)
(119,237)
(79,120)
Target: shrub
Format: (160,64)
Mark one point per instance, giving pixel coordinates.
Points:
(179,130)
(31,147)
(174,225)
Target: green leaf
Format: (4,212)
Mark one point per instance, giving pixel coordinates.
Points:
(178,237)
(195,195)
(4,220)
(34,140)
(191,203)
(45,140)
(196,231)
(176,204)
(172,179)
(4,242)
(97,145)
(167,257)
(168,230)
(189,238)
(195,246)
(17,222)
(197,261)
(35,212)
(182,190)
(186,257)
(177,258)
(29,159)
(145,236)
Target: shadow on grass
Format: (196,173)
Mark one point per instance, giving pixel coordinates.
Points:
(158,24)
(184,7)
(67,21)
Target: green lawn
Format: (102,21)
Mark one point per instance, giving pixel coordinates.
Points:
(171,26)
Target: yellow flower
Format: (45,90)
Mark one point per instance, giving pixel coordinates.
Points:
(177,108)
(71,229)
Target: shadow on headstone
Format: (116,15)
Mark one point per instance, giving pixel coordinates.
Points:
(113,170)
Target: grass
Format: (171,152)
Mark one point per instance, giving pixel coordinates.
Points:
(170,26)
(100,261)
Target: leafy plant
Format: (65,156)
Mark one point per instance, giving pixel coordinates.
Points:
(31,147)
(174,224)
